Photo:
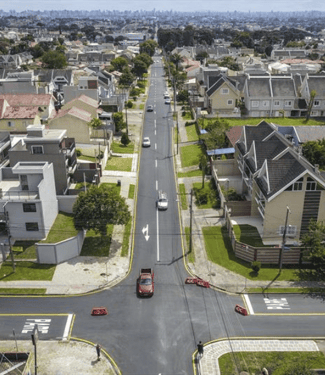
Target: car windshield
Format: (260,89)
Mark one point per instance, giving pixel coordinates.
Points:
(145,281)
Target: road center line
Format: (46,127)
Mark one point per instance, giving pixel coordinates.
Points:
(155,146)
(156,163)
(156,184)
(248,304)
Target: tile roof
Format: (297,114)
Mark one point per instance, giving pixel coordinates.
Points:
(310,133)
(233,134)
(75,112)
(20,112)
(86,99)
(259,87)
(283,87)
(27,99)
(317,83)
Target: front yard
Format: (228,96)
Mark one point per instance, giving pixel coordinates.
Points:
(190,155)
(115,163)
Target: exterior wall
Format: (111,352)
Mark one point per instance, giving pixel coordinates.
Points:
(218,101)
(226,167)
(75,127)
(61,251)
(321,212)
(58,160)
(73,92)
(19,125)
(66,202)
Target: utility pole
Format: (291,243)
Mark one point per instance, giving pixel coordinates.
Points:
(9,237)
(191,220)
(175,111)
(283,239)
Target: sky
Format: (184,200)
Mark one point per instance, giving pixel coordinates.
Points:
(176,5)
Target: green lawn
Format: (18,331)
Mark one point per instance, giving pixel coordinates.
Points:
(116,163)
(131,191)
(24,250)
(219,251)
(62,229)
(278,363)
(191,133)
(276,120)
(118,148)
(126,239)
(190,155)
(187,116)
(97,245)
(87,158)
(183,197)
(28,291)
(248,235)
(195,173)
(81,185)
(27,271)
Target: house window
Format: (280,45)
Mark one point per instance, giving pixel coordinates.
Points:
(255,103)
(276,103)
(296,186)
(224,91)
(311,184)
(291,230)
(266,103)
(11,124)
(24,182)
(29,207)
(288,103)
(230,102)
(37,150)
(32,227)
(316,103)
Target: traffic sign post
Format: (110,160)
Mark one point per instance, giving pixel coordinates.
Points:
(34,341)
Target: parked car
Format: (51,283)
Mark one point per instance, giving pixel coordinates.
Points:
(146,142)
(167,101)
(145,282)
(150,108)
(166,95)
(162,201)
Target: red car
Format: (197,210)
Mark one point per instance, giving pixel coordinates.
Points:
(146,283)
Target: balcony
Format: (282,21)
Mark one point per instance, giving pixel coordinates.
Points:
(10,190)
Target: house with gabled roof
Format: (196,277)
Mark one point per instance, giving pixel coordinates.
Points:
(314,83)
(274,175)
(222,96)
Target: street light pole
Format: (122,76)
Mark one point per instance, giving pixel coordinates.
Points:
(283,239)
(191,220)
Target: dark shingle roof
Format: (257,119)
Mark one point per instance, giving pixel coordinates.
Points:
(259,87)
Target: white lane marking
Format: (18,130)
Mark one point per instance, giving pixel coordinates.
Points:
(155,122)
(248,304)
(156,163)
(43,325)
(156,185)
(155,146)
(157,236)
(67,328)
(146,230)
(155,132)
(277,304)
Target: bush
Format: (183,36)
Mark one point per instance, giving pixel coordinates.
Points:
(201,196)
(78,152)
(125,140)
(256,266)
(135,92)
(129,104)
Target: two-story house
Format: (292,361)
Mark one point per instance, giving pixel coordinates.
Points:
(314,83)
(48,145)
(28,199)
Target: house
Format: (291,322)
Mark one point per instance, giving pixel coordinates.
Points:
(44,103)
(52,146)
(314,83)
(87,85)
(85,103)
(75,121)
(272,175)
(222,97)
(28,199)
(272,96)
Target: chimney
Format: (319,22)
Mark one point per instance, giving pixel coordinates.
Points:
(317,168)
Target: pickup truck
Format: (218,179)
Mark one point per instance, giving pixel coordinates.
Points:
(145,282)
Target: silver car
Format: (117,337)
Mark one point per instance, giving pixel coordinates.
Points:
(162,201)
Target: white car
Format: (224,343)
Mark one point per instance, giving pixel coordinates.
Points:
(166,95)
(167,101)
(146,142)
(162,201)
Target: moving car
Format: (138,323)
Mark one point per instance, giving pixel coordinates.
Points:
(162,201)
(166,95)
(150,108)
(146,142)
(145,283)
(167,101)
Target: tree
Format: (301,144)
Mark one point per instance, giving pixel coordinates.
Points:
(125,140)
(126,78)
(216,136)
(176,58)
(54,60)
(203,166)
(313,93)
(314,152)
(149,47)
(99,206)
(139,68)
(314,242)
(119,63)
(95,123)
(118,121)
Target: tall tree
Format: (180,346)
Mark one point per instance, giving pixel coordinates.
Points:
(54,60)
(99,206)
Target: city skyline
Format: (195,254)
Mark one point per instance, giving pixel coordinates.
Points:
(167,5)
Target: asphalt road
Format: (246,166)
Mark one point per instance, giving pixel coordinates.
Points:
(156,335)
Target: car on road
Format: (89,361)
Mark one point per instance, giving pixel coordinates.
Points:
(166,95)
(167,101)
(150,108)
(162,201)
(146,142)
(145,282)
